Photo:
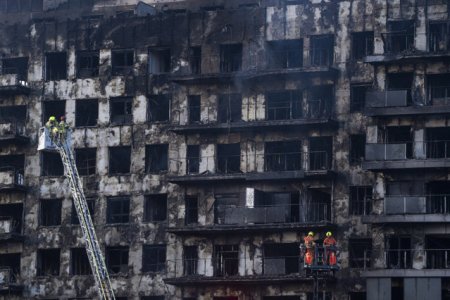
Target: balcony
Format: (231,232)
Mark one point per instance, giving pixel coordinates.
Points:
(10,230)
(417,209)
(12,180)
(12,131)
(267,218)
(398,103)
(407,155)
(11,84)
(9,283)
(237,271)
(277,166)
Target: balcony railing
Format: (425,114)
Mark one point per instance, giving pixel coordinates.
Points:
(390,98)
(9,225)
(10,177)
(283,161)
(12,128)
(423,259)
(273,214)
(438,149)
(439,95)
(425,204)
(398,42)
(7,277)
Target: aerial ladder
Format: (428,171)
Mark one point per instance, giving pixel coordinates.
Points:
(60,141)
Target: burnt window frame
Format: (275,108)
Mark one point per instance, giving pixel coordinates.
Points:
(356,261)
(125,69)
(158,252)
(121,217)
(433,40)
(362,205)
(155,213)
(195,59)
(14,114)
(51,164)
(86,113)
(45,214)
(92,58)
(326,55)
(189,210)
(151,157)
(20,70)
(221,269)
(286,55)
(83,267)
(365,38)
(353,154)
(392,37)
(321,106)
(11,260)
(231,57)
(431,85)
(58,75)
(159,108)
(193,159)
(356,89)
(90,169)
(227,110)
(15,212)
(112,161)
(283,161)
(123,250)
(125,117)
(163,55)
(55,108)
(294,106)
(91,207)
(222,161)
(51,254)
(194,109)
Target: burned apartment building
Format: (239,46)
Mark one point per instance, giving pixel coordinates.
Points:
(213,135)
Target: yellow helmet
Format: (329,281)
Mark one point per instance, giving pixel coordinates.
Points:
(311,233)
(52,118)
(328,233)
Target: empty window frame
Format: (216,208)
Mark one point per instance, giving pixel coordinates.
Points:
(13,163)
(281,258)
(230,58)
(230,108)
(50,212)
(359,253)
(16,65)
(285,54)
(438,88)
(191,210)
(190,260)
(283,156)
(195,59)
(438,37)
(86,112)
(153,258)
(122,62)
(194,108)
(358,96)
(320,101)
(400,37)
(48,262)
(159,108)
(51,164)
(357,148)
(320,153)
(56,108)
(156,158)
(155,208)
(284,105)
(91,207)
(87,63)
(322,50)
(117,259)
(360,200)
(362,44)
(192,159)
(228,158)
(11,261)
(15,213)
(16,113)
(119,160)
(121,110)
(118,210)
(159,61)
(226,260)
(275,202)
(79,262)
(56,66)
(438,142)
(86,161)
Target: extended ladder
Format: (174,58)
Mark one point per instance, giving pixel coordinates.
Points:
(94,253)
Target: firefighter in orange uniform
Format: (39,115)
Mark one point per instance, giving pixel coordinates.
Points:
(309,245)
(329,244)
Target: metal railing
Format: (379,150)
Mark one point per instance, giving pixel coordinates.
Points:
(9,225)
(17,175)
(438,149)
(398,42)
(12,127)
(363,261)
(227,164)
(312,212)
(7,276)
(439,95)
(419,204)
(20,75)
(417,259)
(287,161)
(322,56)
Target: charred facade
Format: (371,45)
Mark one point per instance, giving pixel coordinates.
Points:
(212,136)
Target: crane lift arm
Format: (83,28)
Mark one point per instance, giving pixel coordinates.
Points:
(61,141)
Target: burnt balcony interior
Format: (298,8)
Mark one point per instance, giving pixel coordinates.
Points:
(12,121)
(56,66)
(155,208)
(226,260)
(284,105)
(51,164)
(87,64)
(122,61)
(191,210)
(192,159)
(322,50)
(195,60)
(12,170)
(438,90)
(56,108)
(11,218)
(194,109)
(262,207)
(119,160)
(229,108)
(320,155)
(121,112)
(230,58)
(281,259)
(320,101)
(17,66)
(10,262)
(282,156)
(50,212)
(285,54)
(362,44)
(396,143)
(228,158)
(438,38)
(159,60)
(79,262)
(400,37)
(158,109)
(360,251)
(153,258)
(48,262)
(437,142)
(156,158)
(86,113)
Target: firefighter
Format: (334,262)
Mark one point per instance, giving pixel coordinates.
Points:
(310,247)
(329,244)
(52,127)
(63,127)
